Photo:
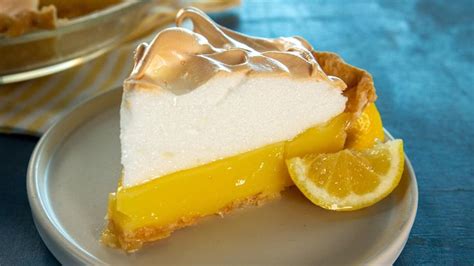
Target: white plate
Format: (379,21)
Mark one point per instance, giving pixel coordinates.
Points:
(77,163)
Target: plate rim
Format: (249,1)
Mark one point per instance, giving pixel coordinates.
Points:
(67,252)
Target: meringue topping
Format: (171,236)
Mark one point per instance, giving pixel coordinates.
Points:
(180,60)
(202,95)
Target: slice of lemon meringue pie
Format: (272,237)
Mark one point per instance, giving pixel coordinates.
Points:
(208,118)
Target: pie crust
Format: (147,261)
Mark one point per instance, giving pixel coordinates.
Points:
(360,89)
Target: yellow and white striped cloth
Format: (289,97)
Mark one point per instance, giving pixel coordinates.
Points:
(30,107)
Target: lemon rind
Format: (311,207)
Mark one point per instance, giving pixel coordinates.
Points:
(298,169)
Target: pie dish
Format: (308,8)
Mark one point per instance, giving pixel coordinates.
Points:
(41,37)
(208,117)
(55,36)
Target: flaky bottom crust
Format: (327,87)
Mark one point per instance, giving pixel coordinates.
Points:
(132,241)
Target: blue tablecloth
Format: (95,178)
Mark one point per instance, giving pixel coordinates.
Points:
(421,56)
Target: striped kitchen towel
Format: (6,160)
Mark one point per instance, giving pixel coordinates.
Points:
(31,107)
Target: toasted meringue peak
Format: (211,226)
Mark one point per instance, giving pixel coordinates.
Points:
(180,60)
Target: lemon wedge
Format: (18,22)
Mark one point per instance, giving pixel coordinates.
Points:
(349,179)
(366,130)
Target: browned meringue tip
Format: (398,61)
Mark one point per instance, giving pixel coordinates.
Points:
(179,59)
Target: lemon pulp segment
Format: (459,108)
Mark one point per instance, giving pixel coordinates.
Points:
(210,188)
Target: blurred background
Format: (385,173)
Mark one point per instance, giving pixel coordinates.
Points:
(420,53)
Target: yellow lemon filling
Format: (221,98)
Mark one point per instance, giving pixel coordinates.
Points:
(154,209)
(366,130)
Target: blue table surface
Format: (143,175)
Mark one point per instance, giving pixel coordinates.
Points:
(421,56)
